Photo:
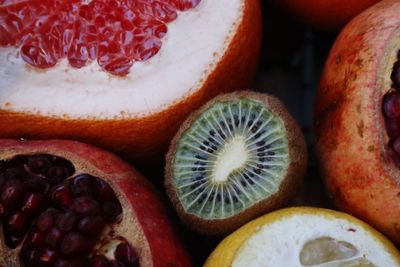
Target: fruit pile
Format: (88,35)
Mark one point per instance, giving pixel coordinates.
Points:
(162,84)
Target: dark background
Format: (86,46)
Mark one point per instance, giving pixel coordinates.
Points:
(292,59)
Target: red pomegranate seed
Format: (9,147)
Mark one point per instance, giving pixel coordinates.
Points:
(66,221)
(111,210)
(99,261)
(92,225)
(57,174)
(46,257)
(86,206)
(36,183)
(45,221)
(391,105)
(36,239)
(39,164)
(53,238)
(61,196)
(127,255)
(17,224)
(12,192)
(74,243)
(81,185)
(33,203)
(102,191)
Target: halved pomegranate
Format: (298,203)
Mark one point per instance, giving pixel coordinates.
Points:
(64,203)
(121,74)
(358,118)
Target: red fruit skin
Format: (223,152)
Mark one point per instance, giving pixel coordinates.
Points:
(329,15)
(350,135)
(140,201)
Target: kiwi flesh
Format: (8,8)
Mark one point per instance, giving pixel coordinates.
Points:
(239,156)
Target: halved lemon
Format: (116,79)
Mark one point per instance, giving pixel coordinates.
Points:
(302,237)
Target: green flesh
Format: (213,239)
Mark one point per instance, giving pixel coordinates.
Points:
(198,149)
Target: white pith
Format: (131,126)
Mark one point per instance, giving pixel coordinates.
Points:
(232,157)
(280,243)
(194,44)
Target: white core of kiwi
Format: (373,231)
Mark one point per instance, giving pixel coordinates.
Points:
(234,155)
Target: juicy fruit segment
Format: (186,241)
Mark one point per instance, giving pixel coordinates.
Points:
(391,112)
(234,155)
(57,218)
(326,249)
(305,237)
(115,33)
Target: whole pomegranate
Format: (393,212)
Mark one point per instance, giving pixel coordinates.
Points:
(329,15)
(357,118)
(67,204)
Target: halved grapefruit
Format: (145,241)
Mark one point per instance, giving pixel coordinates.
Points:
(305,237)
(120,74)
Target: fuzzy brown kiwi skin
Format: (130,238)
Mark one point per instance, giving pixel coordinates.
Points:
(288,188)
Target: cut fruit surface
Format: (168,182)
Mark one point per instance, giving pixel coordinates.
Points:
(238,156)
(64,203)
(115,33)
(305,237)
(188,60)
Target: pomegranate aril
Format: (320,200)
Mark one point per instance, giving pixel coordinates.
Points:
(54,237)
(66,221)
(99,261)
(36,239)
(81,185)
(39,164)
(86,206)
(111,210)
(61,196)
(33,203)
(17,224)
(57,174)
(127,255)
(36,183)
(12,192)
(118,66)
(45,221)
(46,257)
(91,225)
(102,191)
(74,243)
(36,54)
(391,105)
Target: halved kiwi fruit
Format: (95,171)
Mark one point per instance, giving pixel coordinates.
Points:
(239,156)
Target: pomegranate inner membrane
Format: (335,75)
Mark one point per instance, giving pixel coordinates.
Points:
(116,33)
(391,112)
(57,217)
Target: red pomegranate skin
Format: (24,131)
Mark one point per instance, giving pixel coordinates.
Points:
(143,207)
(329,15)
(350,135)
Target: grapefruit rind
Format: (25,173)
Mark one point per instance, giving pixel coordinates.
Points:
(271,238)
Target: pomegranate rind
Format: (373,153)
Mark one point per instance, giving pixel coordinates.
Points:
(145,137)
(350,135)
(226,251)
(148,229)
(326,15)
